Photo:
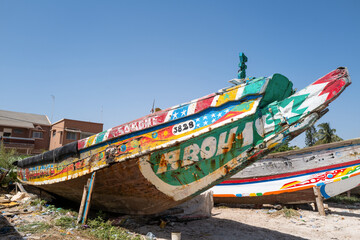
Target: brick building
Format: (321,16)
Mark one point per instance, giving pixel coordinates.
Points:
(32,134)
(26,132)
(67,130)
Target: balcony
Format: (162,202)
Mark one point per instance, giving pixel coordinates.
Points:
(18,143)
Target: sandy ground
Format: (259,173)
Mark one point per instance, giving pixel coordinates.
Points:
(341,222)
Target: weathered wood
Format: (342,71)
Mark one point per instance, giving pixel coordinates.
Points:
(83,200)
(319,200)
(88,198)
(159,161)
(20,186)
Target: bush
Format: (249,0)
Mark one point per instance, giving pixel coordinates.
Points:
(7,157)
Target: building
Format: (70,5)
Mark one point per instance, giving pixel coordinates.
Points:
(67,130)
(26,132)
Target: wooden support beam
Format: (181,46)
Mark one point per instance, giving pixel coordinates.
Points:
(319,201)
(20,186)
(88,198)
(83,200)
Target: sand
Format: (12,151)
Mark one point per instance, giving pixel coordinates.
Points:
(341,222)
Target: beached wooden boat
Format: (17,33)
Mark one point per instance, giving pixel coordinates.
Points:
(161,160)
(289,177)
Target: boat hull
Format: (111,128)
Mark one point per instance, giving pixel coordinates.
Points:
(119,188)
(145,170)
(289,178)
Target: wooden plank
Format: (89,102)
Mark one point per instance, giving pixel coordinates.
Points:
(348,193)
(319,200)
(88,198)
(82,205)
(20,186)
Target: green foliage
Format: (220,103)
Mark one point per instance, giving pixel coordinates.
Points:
(344,199)
(36,227)
(310,136)
(289,212)
(326,134)
(38,201)
(286,212)
(7,157)
(285,147)
(104,230)
(65,222)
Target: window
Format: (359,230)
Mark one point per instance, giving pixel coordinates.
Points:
(18,131)
(54,133)
(71,136)
(61,137)
(7,132)
(37,135)
(85,135)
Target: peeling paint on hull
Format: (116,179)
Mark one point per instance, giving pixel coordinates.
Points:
(147,166)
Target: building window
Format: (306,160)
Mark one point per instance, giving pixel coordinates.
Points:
(70,135)
(7,132)
(61,137)
(54,133)
(18,131)
(86,134)
(37,134)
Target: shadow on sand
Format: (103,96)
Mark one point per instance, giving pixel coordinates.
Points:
(8,232)
(214,228)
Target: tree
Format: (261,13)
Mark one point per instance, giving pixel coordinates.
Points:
(326,134)
(310,137)
(7,157)
(285,147)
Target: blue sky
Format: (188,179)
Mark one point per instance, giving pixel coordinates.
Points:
(106,61)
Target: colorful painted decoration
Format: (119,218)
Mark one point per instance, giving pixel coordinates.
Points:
(158,161)
(289,177)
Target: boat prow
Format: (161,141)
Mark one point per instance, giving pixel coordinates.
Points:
(156,162)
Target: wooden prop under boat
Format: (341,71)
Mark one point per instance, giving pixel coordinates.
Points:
(289,177)
(159,161)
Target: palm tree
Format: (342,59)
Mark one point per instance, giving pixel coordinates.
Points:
(310,138)
(326,134)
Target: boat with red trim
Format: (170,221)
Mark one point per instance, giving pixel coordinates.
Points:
(289,177)
(166,158)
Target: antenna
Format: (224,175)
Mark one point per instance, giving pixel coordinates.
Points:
(153,107)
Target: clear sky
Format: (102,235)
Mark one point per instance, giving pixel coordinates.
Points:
(106,61)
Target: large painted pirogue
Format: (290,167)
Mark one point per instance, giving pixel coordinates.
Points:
(161,160)
(289,177)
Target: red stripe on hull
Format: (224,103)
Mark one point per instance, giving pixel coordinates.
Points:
(284,175)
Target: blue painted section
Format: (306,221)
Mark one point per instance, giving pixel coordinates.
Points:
(322,191)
